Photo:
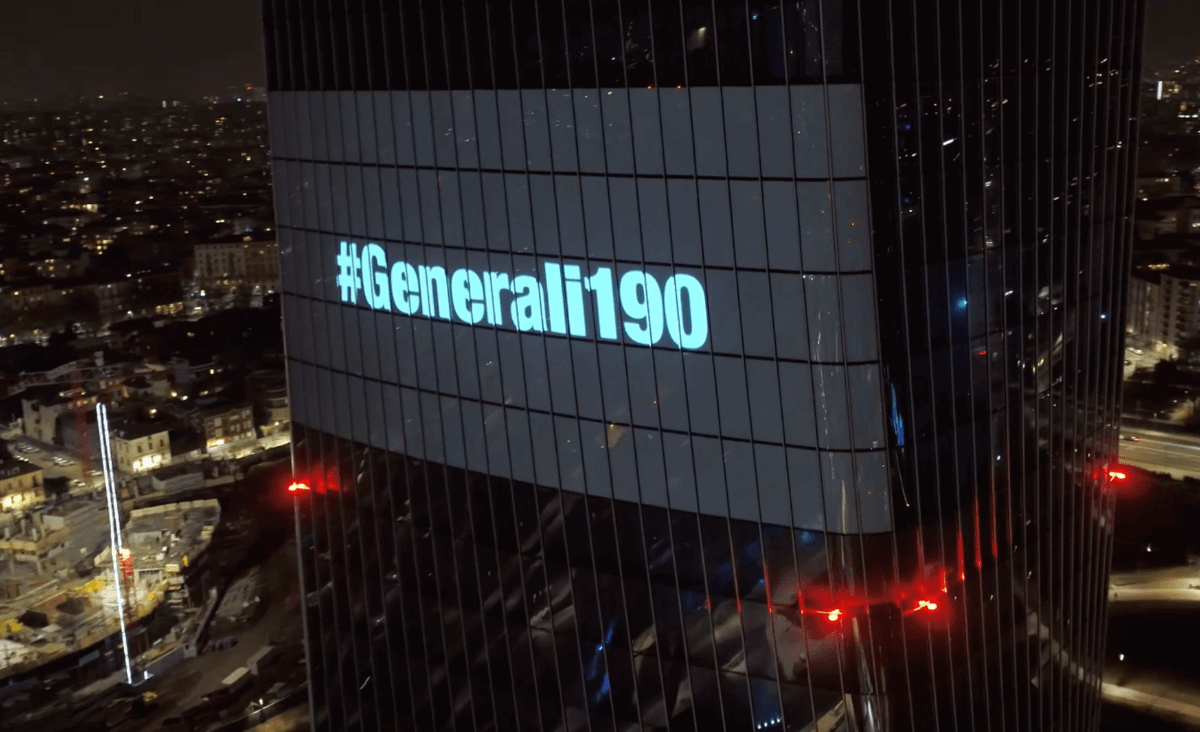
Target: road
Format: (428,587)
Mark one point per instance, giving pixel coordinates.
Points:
(293,720)
(1138,358)
(192,679)
(42,455)
(1166,585)
(1161,452)
(1151,703)
(1144,684)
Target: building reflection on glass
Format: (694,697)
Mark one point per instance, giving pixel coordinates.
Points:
(876,498)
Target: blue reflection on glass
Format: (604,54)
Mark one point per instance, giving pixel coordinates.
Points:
(722,578)
(597,660)
(751,551)
(767,712)
(597,665)
(960,303)
(897,420)
(691,599)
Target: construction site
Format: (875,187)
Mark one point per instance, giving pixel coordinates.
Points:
(58,610)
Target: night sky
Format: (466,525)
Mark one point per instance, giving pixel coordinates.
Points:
(186,48)
(170,48)
(1172,31)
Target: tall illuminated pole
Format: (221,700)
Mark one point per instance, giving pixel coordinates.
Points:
(114,527)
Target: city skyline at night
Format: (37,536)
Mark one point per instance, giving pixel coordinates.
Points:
(599,365)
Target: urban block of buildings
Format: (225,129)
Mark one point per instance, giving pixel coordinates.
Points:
(21,485)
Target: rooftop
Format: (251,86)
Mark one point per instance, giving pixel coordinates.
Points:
(167,534)
(171,471)
(1183,272)
(46,395)
(13,468)
(136,430)
(184,441)
(223,408)
(254,236)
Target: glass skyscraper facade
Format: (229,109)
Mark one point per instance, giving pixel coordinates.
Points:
(704,365)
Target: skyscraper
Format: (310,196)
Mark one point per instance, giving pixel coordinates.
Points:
(704,365)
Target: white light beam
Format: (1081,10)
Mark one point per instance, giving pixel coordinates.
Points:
(114,527)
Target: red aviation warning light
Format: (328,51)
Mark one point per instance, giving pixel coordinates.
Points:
(1126,479)
(928,605)
(927,596)
(316,480)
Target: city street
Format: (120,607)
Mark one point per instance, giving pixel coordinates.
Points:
(1152,702)
(293,720)
(1161,452)
(1169,584)
(43,456)
(1138,678)
(195,677)
(1143,358)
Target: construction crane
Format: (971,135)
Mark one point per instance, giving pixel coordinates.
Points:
(128,580)
(77,373)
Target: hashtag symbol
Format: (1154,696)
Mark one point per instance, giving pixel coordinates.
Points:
(349,278)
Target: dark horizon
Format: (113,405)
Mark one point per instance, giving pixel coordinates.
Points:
(179,49)
(171,48)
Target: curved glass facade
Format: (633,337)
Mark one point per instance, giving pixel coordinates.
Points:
(704,365)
